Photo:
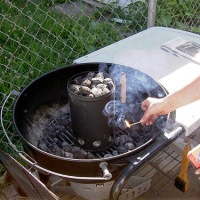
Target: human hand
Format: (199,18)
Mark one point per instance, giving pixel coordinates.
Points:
(153,108)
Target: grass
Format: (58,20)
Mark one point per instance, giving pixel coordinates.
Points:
(179,14)
(34,41)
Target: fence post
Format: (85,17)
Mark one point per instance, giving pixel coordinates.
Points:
(151,13)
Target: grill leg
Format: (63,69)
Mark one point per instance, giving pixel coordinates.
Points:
(121,181)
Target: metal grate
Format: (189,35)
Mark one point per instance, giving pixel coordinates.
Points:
(51,134)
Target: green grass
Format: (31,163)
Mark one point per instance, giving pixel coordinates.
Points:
(34,41)
(179,14)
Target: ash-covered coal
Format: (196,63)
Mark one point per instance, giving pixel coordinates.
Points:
(50,130)
(92,84)
(36,125)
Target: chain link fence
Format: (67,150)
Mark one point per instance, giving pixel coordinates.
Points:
(39,36)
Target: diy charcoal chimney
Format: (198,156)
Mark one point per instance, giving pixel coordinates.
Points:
(88,94)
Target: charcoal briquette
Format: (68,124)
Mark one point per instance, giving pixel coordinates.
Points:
(77,80)
(115,153)
(79,153)
(108,155)
(100,75)
(122,149)
(86,82)
(92,85)
(91,74)
(129,145)
(90,155)
(121,140)
(68,155)
(134,135)
(75,88)
(84,90)
(105,91)
(97,80)
(42,146)
(97,92)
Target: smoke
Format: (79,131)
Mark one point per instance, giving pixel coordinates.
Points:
(138,87)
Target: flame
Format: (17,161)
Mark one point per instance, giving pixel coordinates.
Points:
(127,124)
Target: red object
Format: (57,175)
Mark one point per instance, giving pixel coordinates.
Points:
(193,156)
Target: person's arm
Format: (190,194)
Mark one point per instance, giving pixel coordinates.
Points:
(154,107)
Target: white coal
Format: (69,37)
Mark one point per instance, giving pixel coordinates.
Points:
(91,85)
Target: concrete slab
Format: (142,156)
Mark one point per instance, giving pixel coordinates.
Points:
(162,187)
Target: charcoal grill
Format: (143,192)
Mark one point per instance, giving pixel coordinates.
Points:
(49,91)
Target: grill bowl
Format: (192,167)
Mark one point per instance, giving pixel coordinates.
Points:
(51,89)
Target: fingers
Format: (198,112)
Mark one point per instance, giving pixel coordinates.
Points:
(145,105)
(151,112)
(148,120)
(151,120)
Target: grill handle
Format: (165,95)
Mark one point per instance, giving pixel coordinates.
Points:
(106,173)
(103,165)
(31,162)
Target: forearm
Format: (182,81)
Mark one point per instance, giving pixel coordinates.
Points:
(153,107)
(184,96)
